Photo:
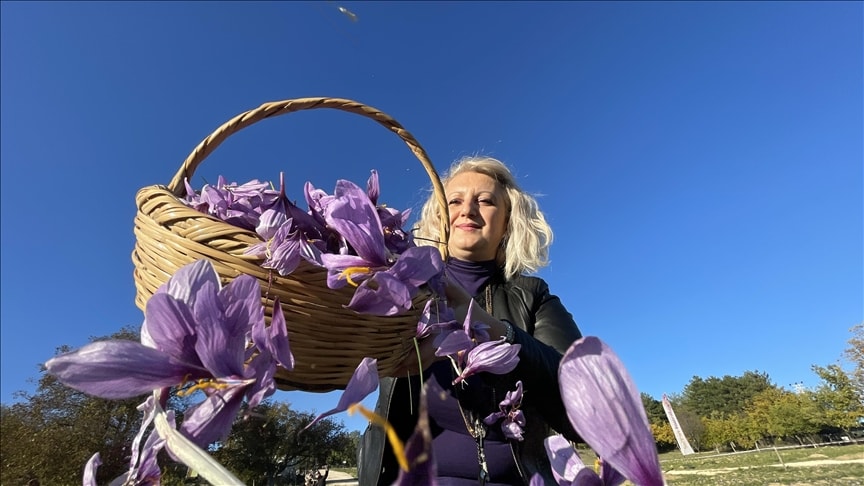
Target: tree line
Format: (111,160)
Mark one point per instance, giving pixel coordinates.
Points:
(49,435)
(749,411)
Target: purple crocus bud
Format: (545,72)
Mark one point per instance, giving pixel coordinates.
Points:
(606,410)
(363,382)
(496,357)
(373,189)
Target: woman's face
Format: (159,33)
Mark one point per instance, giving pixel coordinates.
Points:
(478,216)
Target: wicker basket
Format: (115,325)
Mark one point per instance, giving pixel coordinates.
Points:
(328,340)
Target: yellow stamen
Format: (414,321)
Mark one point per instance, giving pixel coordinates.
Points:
(395,442)
(348,272)
(202,384)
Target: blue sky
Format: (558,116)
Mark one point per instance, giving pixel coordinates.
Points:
(700,163)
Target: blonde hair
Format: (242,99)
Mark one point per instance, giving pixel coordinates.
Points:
(528,235)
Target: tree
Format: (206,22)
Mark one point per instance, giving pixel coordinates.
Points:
(777,413)
(854,354)
(726,396)
(724,432)
(269,439)
(838,398)
(49,435)
(653,409)
(663,436)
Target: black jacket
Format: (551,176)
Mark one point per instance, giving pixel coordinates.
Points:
(545,330)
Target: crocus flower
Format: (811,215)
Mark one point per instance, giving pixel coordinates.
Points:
(606,410)
(143,470)
(436,316)
(281,248)
(363,382)
(390,291)
(422,468)
(453,341)
(194,332)
(496,357)
(514,418)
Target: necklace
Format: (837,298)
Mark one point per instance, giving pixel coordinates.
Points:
(473,423)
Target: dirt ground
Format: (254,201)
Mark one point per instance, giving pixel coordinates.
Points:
(341,479)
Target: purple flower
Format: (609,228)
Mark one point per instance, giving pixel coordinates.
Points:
(390,291)
(363,382)
(194,333)
(453,340)
(514,418)
(436,316)
(143,470)
(422,468)
(496,357)
(606,410)
(281,248)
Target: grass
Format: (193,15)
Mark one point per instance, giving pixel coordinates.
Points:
(760,468)
(799,467)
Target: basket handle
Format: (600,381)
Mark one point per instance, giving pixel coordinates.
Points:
(276,108)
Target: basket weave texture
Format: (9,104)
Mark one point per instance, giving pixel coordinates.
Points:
(328,340)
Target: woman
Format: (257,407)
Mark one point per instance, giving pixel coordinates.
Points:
(497,233)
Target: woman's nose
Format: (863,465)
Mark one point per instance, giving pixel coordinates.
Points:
(467,208)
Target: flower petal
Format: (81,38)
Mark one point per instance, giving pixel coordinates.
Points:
(90,470)
(279,345)
(354,217)
(119,369)
(210,421)
(417,265)
(563,458)
(453,343)
(186,281)
(422,468)
(221,343)
(606,410)
(363,382)
(382,295)
(169,326)
(496,357)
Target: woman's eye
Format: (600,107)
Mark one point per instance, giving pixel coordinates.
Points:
(486,202)
(454,202)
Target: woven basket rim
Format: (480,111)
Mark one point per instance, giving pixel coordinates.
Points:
(170,234)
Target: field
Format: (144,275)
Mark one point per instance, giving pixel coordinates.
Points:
(825,465)
(835,465)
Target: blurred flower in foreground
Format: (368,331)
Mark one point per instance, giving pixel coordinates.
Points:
(194,335)
(606,410)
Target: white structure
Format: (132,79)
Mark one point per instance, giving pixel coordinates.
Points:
(683,444)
